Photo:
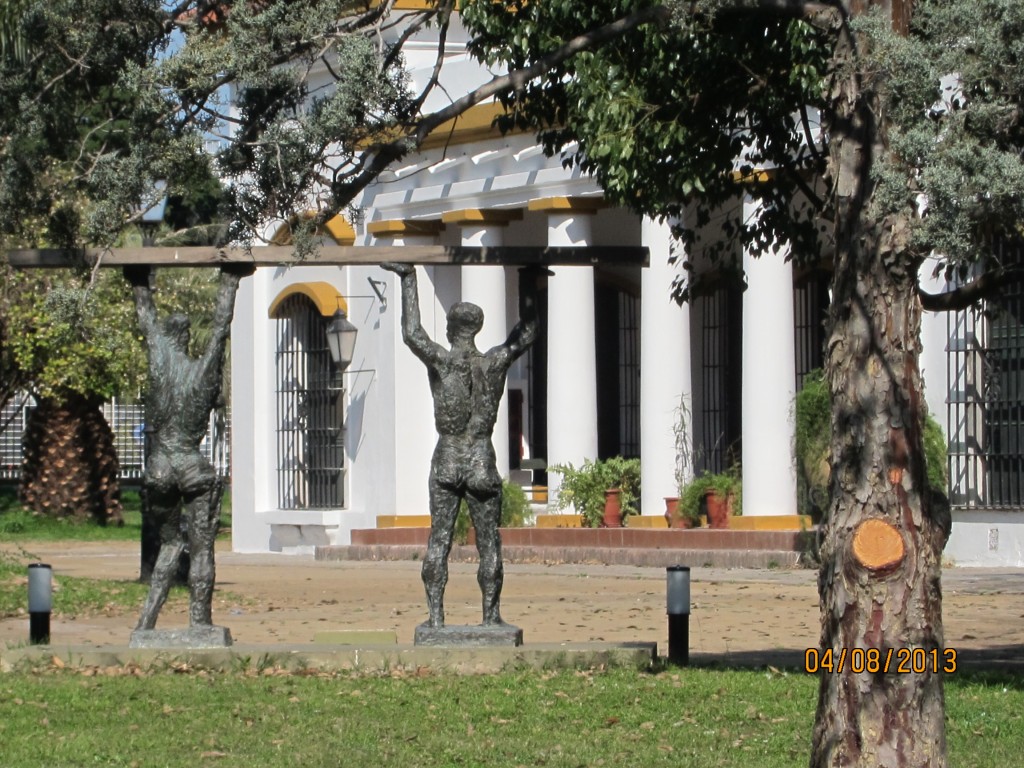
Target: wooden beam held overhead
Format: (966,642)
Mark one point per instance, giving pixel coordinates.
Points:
(333,255)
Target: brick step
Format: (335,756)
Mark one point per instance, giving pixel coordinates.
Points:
(621,546)
(634,538)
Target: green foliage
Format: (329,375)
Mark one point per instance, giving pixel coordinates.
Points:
(954,90)
(813,426)
(584,488)
(935,461)
(67,335)
(514,511)
(661,115)
(115,98)
(724,484)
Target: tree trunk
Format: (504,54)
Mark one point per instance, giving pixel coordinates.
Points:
(880,576)
(70,465)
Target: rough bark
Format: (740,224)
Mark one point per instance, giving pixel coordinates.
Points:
(878,594)
(70,464)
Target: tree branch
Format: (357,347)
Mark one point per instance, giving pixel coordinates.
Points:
(987,285)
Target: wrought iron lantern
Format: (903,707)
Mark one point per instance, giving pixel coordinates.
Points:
(341,339)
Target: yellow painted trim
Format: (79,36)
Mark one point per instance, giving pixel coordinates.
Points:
(770,523)
(404,5)
(416,5)
(567,204)
(646,521)
(341,230)
(482,216)
(559,521)
(475,124)
(406,227)
(756,176)
(403,521)
(323,295)
(338,228)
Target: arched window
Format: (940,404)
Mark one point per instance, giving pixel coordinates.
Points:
(310,410)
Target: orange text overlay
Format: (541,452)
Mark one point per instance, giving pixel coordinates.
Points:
(902,661)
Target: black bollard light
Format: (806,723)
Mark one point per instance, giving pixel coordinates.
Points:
(678,600)
(40,603)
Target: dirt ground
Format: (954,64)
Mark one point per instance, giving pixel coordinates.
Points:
(270,599)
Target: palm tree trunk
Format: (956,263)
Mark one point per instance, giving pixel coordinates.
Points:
(70,464)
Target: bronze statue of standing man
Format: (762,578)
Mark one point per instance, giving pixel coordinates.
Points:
(182,391)
(467,386)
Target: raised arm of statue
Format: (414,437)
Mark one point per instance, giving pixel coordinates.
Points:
(224,309)
(413,333)
(145,308)
(525,331)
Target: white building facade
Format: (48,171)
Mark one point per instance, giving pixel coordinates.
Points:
(318,453)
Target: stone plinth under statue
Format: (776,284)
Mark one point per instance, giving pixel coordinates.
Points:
(468,635)
(208,636)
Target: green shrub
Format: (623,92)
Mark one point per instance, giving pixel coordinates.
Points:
(584,488)
(514,509)
(812,428)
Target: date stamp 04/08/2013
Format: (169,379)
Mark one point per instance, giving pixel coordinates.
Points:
(903,661)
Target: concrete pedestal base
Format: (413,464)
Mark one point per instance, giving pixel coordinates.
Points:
(190,637)
(468,635)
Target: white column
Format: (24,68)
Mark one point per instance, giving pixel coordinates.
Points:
(253,445)
(485,287)
(414,432)
(572,361)
(934,338)
(769,382)
(664,372)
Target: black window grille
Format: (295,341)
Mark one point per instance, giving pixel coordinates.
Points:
(617,340)
(985,404)
(310,398)
(810,307)
(629,374)
(719,408)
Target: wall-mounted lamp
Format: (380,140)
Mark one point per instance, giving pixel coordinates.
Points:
(341,339)
(341,334)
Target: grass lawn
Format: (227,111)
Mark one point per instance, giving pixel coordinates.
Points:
(72,596)
(622,717)
(18,524)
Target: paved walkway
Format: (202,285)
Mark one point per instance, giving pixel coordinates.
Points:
(743,614)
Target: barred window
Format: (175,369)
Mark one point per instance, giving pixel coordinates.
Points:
(985,371)
(310,411)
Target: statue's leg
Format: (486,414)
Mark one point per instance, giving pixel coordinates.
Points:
(486,515)
(444,508)
(203,513)
(165,507)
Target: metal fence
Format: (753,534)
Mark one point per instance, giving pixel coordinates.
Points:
(127,422)
(986,398)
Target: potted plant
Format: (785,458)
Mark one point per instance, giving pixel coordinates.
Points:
(719,495)
(682,471)
(606,485)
